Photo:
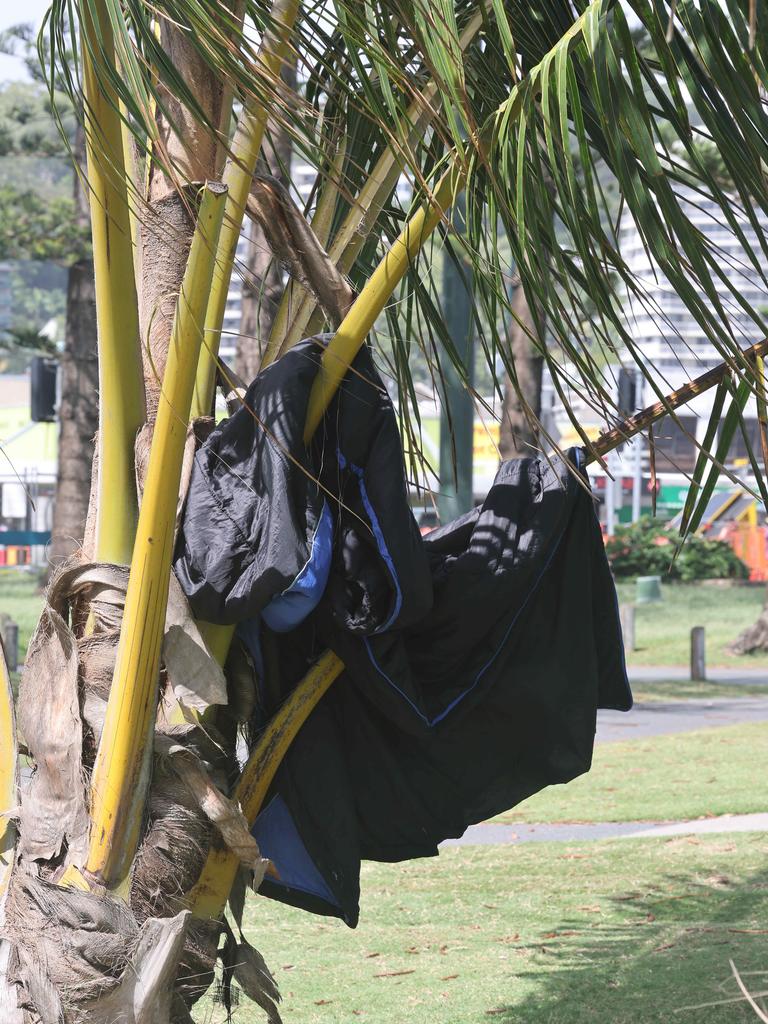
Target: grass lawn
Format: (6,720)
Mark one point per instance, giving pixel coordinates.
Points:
(616,932)
(663,629)
(20,597)
(688,775)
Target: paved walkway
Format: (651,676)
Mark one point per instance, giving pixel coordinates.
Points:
(490,835)
(734,676)
(659,718)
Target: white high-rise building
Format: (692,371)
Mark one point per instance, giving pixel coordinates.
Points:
(672,343)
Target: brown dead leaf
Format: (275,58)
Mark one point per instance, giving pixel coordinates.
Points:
(596,909)
(667,945)
(322,1002)
(449,977)
(369,956)
(394,974)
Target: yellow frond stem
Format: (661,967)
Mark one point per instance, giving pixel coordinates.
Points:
(291,326)
(238,176)
(295,295)
(121,772)
(356,325)
(121,384)
(211,892)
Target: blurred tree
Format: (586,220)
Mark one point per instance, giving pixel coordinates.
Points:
(44,224)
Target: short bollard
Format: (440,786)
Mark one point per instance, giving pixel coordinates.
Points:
(627,616)
(10,638)
(698,659)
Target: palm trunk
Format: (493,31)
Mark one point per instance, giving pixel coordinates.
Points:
(263,279)
(518,433)
(78,413)
(79,407)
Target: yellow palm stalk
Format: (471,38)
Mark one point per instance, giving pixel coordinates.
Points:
(290,327)
(121,772)
(238,176)
(121,385)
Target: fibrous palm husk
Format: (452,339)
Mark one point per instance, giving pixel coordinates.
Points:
(75,956)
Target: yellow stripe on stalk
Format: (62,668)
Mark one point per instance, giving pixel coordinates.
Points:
(238,176)
(289,328)
(378,290)
(121,772)
(209,896)
(121,384)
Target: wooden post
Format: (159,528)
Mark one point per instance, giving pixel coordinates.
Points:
(698,659)
(627,616)
(10,641)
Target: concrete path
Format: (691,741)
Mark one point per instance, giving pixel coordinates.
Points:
(734,676)
(489,835)
(658,718)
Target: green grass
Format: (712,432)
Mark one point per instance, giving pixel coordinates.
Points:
(21,598)
(688,775)
(678,689)
(663,629)
(616,932)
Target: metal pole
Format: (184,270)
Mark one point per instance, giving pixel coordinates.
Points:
(637,451)
(456,429)
(610,495)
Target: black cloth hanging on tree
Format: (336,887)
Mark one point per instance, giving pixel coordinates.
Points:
(475,657)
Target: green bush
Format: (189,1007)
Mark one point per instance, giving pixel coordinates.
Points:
(647,548)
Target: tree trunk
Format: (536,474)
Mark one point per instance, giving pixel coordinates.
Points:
(518,434)
(754,639)
(263,277)
(79,405)
(78,413)
(168,220)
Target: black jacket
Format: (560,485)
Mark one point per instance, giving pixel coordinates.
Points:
(475,658)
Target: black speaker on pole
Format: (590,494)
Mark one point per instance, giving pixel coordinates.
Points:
(43,374)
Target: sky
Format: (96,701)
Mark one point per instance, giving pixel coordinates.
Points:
(12,12)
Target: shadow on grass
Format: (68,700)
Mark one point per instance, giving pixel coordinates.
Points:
(663,962)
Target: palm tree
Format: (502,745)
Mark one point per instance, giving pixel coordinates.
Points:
(512,103)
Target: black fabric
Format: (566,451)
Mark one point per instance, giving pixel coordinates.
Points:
(256,494)
(476,658)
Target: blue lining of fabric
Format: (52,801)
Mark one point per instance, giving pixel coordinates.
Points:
(279,840)
(447,710)
(288,610)
(378,534)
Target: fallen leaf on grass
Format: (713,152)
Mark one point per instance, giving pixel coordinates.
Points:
(322,1002)
(369,956)
(499,1009)
(509,938)
(394,974)
(667,945)
(557,935)
(490,906)
(592,910)
(749,931)
(449,977)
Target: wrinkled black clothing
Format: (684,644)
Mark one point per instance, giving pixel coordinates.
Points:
(476,658)
(256,495)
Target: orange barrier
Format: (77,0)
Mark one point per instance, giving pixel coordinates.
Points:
(750,543)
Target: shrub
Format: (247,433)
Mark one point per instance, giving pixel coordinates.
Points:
(647,548)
